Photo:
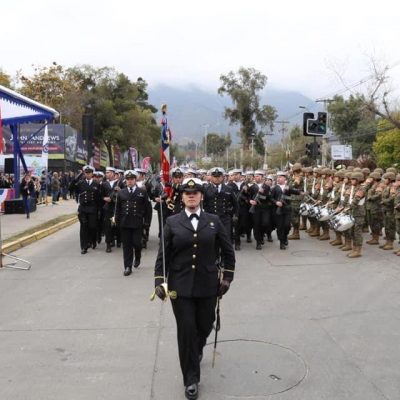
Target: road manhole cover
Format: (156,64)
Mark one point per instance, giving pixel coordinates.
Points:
(246,368)
(309,253)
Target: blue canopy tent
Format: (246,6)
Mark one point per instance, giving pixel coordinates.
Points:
(16,109)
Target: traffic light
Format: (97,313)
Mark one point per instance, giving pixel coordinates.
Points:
(309,147)
(314,127)
(306,117)
(322,121)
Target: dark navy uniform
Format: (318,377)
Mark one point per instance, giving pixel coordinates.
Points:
(89,200)
(283,214)
(132,215)
(192,272)
(261,212)
(221,201)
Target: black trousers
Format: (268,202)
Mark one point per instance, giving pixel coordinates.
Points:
(88,230)
(261,223)
(110,230)
(282,225)
(194,320)
(131,239)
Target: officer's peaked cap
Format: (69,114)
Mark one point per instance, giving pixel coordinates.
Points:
(217,171)
(192,185)
(112,169)
(259,172)
(88,168)
(176,171)
(130,174)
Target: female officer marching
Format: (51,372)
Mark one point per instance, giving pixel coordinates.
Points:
(192,241)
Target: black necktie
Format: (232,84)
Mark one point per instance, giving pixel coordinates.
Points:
(191,216)
(130,190)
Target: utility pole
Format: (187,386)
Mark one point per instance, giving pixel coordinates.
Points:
(282,130)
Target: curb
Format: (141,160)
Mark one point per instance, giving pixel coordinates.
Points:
(26,240)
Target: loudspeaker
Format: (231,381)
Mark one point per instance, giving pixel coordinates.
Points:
(16,206)
(9,165)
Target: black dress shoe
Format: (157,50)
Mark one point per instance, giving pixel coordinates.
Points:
(108,249)
(192,391)
(94,245)
(262,241)
(249,240)
(270,239)
(237,247)
(286,243)
(118,244)
(137,262)
(258,247)
(83,251)
(282,246)
(127,271)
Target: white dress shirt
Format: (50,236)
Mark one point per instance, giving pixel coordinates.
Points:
(194,221)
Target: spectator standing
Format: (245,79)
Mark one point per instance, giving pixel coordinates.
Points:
(55,187)
(27,190)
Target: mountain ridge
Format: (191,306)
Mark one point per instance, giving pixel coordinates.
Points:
(193,111)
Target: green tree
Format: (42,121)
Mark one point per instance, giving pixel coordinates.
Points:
(217,144)
(387,145)
(5,79)
(353,123)
(243,88)
(122,115)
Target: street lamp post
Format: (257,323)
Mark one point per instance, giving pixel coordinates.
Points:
(206,126)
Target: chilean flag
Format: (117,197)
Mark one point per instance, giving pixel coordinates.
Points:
(165,142)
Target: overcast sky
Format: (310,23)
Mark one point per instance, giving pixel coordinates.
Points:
(297,44)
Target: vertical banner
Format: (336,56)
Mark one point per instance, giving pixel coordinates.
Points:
(134,157)
(146,162)
(45,148)
(165,142)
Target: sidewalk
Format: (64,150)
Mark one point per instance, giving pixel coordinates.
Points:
(14,224)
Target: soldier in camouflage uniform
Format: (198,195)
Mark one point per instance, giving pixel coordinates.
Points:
(297,183)
(306,173)
(344,196)
(373,207)
(366,172)
(356,203)
(314,193)
(334,199)
(396,195)
(388,211)
(325,189)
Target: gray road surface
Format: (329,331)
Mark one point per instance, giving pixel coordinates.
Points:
(306,323)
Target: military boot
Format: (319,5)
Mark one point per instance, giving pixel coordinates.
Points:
(347,245)
(374,239)
(388,245)
(338,240)
(381,246)
(303,225)
(325,234)
(316,231)
(355,253)
(295,235)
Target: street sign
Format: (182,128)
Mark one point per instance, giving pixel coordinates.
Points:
(341,152)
